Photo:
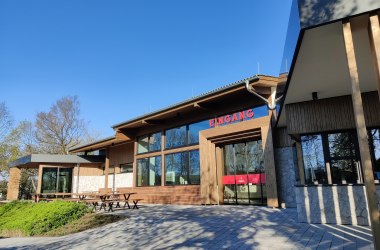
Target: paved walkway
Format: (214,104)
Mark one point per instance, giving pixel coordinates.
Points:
(205,227)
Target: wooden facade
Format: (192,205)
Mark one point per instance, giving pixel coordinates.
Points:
(330,114)
(211,155)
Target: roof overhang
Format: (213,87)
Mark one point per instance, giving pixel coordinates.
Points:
(260,82)
(320,64)
(34,159)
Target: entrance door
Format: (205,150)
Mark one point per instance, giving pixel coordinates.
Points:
(244,173)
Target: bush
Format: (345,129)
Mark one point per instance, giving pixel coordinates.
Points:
(38,218)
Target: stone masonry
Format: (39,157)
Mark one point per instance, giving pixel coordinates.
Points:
(285,168)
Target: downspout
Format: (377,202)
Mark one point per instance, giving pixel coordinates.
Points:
(271,102)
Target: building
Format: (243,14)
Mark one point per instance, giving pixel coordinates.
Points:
(317,150)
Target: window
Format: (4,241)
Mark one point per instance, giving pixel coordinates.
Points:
(374,140)
(149,143)
(182,168)
(313,159)
(126,168)
(343,158)
(56,180)
(339,151)
(194,131)
(176,137)
(149,171)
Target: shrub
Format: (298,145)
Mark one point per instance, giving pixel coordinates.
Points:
(37,218)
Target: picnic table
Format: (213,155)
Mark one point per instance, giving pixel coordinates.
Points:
(116,198)
(94,198)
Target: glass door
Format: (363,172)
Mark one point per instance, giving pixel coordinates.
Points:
(56,180)
(244,174)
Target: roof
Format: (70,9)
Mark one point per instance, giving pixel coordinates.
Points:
(206,94)
(47,158)
(110,138)
(121,137)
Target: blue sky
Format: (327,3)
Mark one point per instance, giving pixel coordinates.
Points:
(124,58)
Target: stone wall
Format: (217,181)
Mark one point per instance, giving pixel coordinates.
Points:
(88,183)
(93,183)
(13,183)
(286,163)
(121,180)
(333,204)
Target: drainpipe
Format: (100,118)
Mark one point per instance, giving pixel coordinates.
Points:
(271,102)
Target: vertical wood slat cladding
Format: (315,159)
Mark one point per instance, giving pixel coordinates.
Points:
(166,194)
(330,114)
(121,154)
(282,139)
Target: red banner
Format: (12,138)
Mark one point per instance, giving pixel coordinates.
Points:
(244,179)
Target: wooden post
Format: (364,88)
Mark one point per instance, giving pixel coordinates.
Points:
(270,169)
(13,183)
(362,134)
(374,37)
(39,185)
(107,168)
(301,168)
(78,172)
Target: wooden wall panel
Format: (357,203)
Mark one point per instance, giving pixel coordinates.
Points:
(166,194)
(330,114)
(89,170)
(121,154)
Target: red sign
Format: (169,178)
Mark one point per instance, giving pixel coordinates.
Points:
(244,179)
(231,118)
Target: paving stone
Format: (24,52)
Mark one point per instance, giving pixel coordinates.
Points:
(205,227)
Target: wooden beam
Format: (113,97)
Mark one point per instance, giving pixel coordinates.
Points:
(107,168)
(362,134)
(374,37)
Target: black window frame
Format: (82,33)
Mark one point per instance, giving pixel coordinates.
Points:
(328,159)
(372,150)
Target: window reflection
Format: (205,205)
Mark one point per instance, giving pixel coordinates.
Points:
(149,143)
(343,158)
(182,168)
(176,137)
(374,139)
(149,171)
(313,158)
(194,131)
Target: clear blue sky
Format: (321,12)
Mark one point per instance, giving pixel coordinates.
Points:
(124,58)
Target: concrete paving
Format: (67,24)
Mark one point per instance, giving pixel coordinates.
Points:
(205,227)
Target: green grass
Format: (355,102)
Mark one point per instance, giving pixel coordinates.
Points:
(28,219)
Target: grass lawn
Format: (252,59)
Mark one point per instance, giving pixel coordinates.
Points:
(48,219)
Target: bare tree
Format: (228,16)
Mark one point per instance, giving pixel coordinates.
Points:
(61,128)
(6,121)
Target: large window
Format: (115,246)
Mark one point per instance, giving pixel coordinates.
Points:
(313,158)
(149,143)
(176,137)
(184,135)
(149,171)
(56,180)
(344,159)
(182,168)
(338,151)
(374,139)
